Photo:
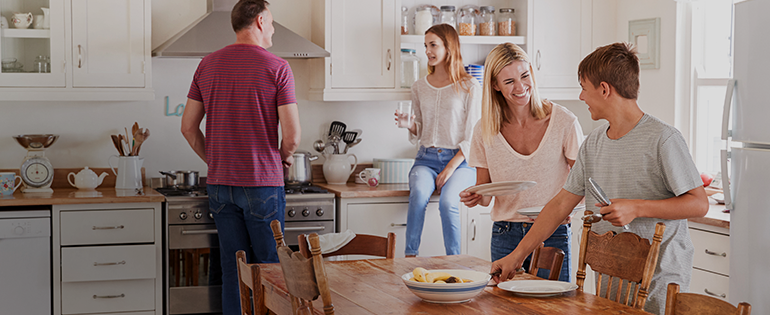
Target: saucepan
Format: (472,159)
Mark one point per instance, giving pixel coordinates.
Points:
(181,179)
(301,171)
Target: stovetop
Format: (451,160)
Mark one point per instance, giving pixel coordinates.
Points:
(200,192)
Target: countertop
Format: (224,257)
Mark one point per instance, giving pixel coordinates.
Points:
(61,196)
(715,216)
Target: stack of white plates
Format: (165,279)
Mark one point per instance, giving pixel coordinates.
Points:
(476,71)
(500,188)
(533,212)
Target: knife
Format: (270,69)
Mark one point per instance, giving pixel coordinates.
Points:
(600,196)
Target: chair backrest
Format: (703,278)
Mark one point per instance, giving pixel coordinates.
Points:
(361,244)
(624,256)
(307,278)
(692,303)
(550,258)
(249,280)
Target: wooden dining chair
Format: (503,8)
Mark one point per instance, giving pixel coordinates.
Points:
(550,258)
(361,244)
(625,256)
(250,284)
(692,303)
(305,277)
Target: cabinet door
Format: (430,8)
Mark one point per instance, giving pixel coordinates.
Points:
(479,235)
(363,44)
(381,218)
(108,46)
(33,56)
(561,37)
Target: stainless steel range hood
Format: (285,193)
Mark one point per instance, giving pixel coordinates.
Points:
(214,31)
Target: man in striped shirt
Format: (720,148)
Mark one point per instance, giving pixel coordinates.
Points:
(245,92)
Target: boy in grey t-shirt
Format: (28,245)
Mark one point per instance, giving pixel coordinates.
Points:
(642,164)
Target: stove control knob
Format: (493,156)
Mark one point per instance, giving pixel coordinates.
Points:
(183,216)
(198,215)
(18,230)
(319,212)
(305,212)
(292,213)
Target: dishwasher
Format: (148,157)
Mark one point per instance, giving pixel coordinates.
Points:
(25,261)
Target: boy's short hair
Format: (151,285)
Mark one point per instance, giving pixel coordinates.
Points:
(616,64)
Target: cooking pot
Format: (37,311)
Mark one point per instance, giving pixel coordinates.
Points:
(300,172)
(181,179)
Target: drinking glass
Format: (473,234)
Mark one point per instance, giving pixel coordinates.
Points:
(404,114)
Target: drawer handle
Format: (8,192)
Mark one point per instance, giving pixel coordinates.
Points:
(397,224)
(190,232)
(714,294)
(119,227)
(474,229)
(309,228)
(110,263)
(109,296)
(715,254)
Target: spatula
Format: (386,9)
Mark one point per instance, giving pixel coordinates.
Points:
(348,137)
(337,128)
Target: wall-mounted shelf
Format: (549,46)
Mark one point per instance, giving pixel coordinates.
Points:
(488,40)
(25,33)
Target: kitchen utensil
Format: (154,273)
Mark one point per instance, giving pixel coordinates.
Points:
(357,141)
(348,137)
(358,132)
(145,134)
(126,149)
(134,129)
(181,179)
(116,142)
(300,172)
(129,141)
(129,172)
(138,140)
(36,170)
(86,179)
(337,128)
(319,146)
(334,140)
(600,196)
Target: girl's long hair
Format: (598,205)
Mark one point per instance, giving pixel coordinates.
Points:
(454,60)
(493,104)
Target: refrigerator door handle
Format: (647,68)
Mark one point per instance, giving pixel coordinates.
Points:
(726,112)
(726,180)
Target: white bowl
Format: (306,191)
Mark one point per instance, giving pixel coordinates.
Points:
(449,292)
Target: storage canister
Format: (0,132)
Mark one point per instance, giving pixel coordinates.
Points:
(447,15)
(487,21)
(393,171)
(506,22)
(404,20)
(425,16)
(466,21)
(410,67)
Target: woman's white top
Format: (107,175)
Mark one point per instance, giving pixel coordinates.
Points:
(445,118)
(547,166)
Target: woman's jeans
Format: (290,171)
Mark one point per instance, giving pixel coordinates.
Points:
(243,216)
(422,182)
(507,235)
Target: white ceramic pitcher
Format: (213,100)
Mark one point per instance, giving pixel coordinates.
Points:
(337,168)
(129,174)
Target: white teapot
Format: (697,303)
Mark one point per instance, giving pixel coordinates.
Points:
(86,179)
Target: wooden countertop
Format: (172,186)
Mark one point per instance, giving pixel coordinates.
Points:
(715,216)
(61,196)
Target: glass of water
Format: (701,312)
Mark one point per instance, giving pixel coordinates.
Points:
(404,114)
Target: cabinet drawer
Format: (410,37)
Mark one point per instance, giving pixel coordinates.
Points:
(712,251)
(108,263)
(107,296)
(107,227)
(711,284)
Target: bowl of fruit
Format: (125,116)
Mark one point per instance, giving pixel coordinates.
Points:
(446,285)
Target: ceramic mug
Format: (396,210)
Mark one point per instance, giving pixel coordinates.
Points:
(22,20)
(370,176)
(8,183)
(39,22)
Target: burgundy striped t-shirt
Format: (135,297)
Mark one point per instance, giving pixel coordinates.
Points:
(241,87)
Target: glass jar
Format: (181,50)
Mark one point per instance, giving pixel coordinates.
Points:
(506,22)
(466,21)
(42,64)
(487,21)
(425,16)
(447,15)
(404,20)
(410,67)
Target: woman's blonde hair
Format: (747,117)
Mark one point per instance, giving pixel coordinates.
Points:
(493,104)
(454,60)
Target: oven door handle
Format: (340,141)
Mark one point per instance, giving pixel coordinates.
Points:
(305,228)
(191,232)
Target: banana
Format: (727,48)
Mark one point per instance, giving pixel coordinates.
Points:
(432,277)
(420,274)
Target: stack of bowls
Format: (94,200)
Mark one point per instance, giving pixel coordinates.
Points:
(476,71)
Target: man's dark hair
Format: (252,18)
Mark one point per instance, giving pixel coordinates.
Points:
(245,11)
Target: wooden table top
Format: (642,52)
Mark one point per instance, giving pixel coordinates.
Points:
(374,286)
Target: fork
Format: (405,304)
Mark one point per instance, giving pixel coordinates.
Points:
(598,194)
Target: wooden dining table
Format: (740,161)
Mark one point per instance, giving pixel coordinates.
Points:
(374,286)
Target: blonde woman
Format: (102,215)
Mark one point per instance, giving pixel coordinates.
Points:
(524,138)
(447,103)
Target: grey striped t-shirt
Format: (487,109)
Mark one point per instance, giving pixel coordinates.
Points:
(650,162)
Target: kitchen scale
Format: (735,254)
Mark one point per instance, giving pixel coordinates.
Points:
(36,170)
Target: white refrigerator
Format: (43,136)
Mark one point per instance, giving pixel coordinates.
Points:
(747,192)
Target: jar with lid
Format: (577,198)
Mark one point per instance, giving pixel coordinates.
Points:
(42,64)
(487,21)
(410,67)
(506,22)
(447,15)
(466,21)
(404,20)
(425,16)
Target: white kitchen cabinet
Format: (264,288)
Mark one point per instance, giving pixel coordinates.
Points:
(99,50)
(107,258)
(378,216)
(477,234)
(711,260)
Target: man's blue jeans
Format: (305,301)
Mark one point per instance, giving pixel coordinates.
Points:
(507,235)
(243,216)
(422,182)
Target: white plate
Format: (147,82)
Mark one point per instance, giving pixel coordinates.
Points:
(533,212)
(500,188)
(537,288)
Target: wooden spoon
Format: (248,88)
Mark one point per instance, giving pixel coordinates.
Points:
(116,142)
(140,136)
